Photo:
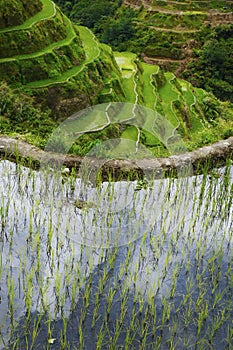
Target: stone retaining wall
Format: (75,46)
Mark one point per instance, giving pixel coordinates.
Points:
(214,154)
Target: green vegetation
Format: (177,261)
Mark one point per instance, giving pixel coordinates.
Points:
(70,70)
(14,13)
(112,24)
(62,66)
(48,10)
(77,283)
(192,112)
(117,32)
(19,116)
(127,64)
(88,13)
(169,33)
(48,63)
(194,6)
(149,92)
(184,106)
(92,52)
(86,262)
(213,68)
(41,34)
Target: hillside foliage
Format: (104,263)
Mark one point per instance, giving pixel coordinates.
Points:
(62,75)
(112,24)
(213,67)
(18,115)
(116,25)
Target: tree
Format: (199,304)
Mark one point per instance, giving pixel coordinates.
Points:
(213,69)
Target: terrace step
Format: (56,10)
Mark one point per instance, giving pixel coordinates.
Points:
(170,30)
(92,52)
(12,13)
(53,59)
(70,36)
(173,30)
(175,99)
(38,36)
(48,11)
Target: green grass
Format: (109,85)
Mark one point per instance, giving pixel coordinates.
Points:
(85,123)
(200,93)
(168,95)
(130,133)
(65,42)
(124,114)
(92,51)
(190,99)
(90,44)
(48,11)
(124,149)
(128,86)
(188,92)
(148,88)
(151,140)
(125,61)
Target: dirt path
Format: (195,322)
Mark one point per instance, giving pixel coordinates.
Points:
(224,16)
(152,8)
(173,30)
(218,23)
(162,61)
(148,7)
(156,60)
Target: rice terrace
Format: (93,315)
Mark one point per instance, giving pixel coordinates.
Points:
(116,175)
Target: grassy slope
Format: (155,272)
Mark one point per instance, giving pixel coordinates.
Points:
(166,28)
(191,98)
(148,89)
(127,67)
(166,94)
(48,11)
(67,41)
(92,52)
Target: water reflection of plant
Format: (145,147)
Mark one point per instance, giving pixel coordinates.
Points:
(170,289)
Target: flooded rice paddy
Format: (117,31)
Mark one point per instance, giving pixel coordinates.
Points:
(124,265)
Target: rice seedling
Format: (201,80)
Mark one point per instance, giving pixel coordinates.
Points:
(169,288)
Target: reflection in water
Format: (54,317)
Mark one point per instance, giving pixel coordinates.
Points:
(162,243)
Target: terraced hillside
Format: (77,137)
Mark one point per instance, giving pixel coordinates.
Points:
(62,65)
(172,28)
(66,69)
(13,13)
(193,113)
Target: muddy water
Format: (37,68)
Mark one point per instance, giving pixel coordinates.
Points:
(57,233)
